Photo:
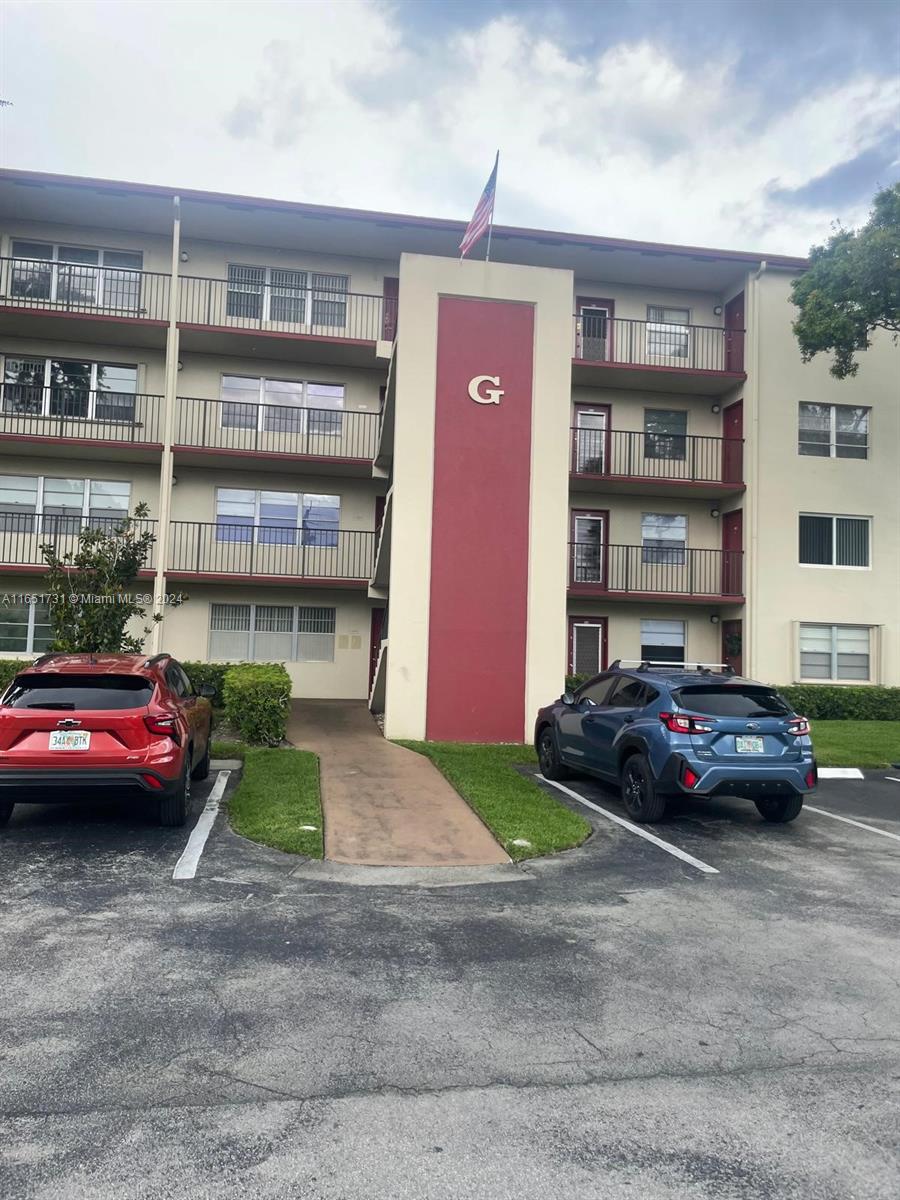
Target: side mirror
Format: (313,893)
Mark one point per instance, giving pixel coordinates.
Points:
(568,698)
(207,690)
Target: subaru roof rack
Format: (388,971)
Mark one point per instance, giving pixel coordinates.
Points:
(650,664)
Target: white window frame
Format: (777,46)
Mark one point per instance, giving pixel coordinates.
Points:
(252,631)
(834,566)
(601,520)
(599,625)
(661,325)
(47,388)
(681,546)
(833,677)
(29,645)
(305,408)
(86,500)
(832,431)
(671,620)
(307,292)
(55,262)
(298,528)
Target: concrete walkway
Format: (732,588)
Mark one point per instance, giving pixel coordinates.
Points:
(383,805)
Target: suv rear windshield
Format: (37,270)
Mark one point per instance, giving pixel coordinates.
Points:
(740,701)
(79,691)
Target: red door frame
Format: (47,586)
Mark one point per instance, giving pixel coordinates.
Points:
(590,512)
(732,546)
(584,406)
(593,302)
(735,661)
(391,301)
(603,623)
(375,628)
(734,333)
(732,442)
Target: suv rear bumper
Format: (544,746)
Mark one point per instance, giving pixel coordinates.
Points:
(750,782)
(65,786)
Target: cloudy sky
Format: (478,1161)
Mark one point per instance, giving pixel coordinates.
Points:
(750,125)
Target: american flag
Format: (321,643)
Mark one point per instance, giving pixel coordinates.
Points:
(483,217)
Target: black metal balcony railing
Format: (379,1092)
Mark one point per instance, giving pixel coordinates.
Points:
(305,553)
(30,411)
(650,569)
(78,288)
(280,309)
(23,534)
(620,340)
(276,429)
(625,453)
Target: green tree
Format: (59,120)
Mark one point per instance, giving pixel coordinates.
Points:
(92,596)
(852,287)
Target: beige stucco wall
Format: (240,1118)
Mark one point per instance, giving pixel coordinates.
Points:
(783,483)
(194,495)
(422,281)
(703,639)
(151,364)
(186,634)
(625,512)
(631,300)
(144,478)
(157,250)
(627,408)
(201,376)
(210,260)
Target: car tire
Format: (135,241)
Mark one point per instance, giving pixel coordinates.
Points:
(548,756)
(173,810)
(779,809)
(6,808)
(201,771)
(642,801)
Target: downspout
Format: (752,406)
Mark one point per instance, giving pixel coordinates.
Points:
(753,490)
(165,470)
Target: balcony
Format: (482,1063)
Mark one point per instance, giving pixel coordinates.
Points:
(52,421)
(23,534)
(650,573)
(342,441)
(653,356)
(264,554)
(317,325)
(72,298)
(637,463)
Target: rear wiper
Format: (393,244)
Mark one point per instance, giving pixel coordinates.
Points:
(52,704)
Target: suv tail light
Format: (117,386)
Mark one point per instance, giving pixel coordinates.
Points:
(689,778)
(163,727)
(798,726)
(680,723)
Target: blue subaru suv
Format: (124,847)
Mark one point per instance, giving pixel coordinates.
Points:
(662,730)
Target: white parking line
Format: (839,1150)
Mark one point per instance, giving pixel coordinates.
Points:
(892,778)
(186,867)
(650,837)
(840,773)
(847,821)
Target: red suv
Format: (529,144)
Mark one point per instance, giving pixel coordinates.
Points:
(75,725)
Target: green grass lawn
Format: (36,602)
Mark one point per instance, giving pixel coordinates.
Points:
(856,743)
(277,795)
(512,807)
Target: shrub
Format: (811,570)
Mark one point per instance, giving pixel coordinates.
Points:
(9,669)
(820,702)
(212,673)
(257,700)
(573,682)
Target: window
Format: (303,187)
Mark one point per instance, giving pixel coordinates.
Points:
(66,504)
(286,296)
(104,692)
(668,335)
(827,541)
(77,276)
(665,433)
(662,641)
(835,652)
(628,693)
(732,700)
(834,431)
(282,405)
(598,692)
(25,628)
(271,633)
(586,645)
(277,517)
(589,531)
(53,387)
(663,539)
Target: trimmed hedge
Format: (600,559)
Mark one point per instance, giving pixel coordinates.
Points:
(212,673)
(820,702)
(257,701)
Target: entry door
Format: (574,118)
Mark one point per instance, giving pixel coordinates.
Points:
(732,645)
(589,549)
(732,445)
(734,334)
(595,330)
(391,295)
(591,431)
(732,545)
(375,642)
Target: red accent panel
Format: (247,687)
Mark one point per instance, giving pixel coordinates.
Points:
(479,551)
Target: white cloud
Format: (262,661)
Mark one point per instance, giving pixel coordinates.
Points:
(333,103)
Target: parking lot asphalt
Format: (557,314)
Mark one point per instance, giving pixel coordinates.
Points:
(609,1022)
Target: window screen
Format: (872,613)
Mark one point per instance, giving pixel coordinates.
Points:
(835,652)
(587,646)
(834,541)
(665,433)
(663,538)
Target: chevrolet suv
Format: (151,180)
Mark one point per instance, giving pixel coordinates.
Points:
(73,726)
(662,730)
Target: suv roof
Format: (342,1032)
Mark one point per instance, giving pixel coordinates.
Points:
(94,664)
(678,674)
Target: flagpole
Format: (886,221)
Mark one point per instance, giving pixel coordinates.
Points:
(487,254)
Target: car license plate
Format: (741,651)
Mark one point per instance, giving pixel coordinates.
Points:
(70,739)
(749,745)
